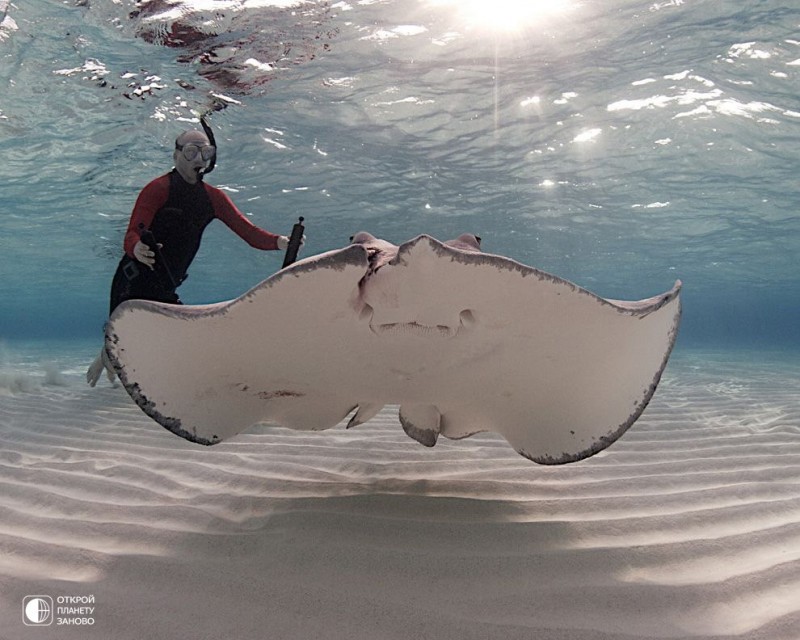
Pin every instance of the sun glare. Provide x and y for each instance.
(506, 15)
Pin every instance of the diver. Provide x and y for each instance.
(166, 228)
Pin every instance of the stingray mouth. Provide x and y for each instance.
(415, 329)
(419, 329)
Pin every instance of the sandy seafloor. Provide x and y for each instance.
(687, 527)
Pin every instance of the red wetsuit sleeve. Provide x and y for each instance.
(225, 210)
(150, 200)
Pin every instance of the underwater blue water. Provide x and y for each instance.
(621, 145)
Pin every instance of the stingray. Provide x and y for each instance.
(463, 341)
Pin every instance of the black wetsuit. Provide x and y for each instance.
(178, 225)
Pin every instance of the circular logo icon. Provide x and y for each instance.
(37, 610)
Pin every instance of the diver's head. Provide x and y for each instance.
(193, 153)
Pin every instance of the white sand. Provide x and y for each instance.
(688, 527)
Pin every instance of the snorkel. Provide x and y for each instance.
(210, 135)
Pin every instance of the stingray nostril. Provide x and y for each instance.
(467, 318)
(365, 313)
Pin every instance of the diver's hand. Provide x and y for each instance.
(144, 254)
(283, 242)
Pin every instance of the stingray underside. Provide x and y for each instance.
(462, 341)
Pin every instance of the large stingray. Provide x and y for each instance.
(463, 341)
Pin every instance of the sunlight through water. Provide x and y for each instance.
(505, 15)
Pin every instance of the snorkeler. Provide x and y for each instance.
(166, 228)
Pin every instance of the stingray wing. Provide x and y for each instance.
(499, 346)
(208, 372)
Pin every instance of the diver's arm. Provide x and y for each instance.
(150, 200)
